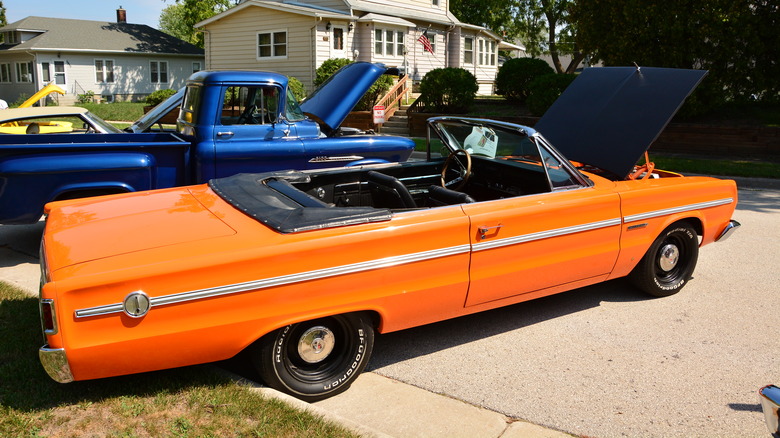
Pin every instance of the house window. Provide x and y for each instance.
(432, 39)
(487, 52)
(272, 45)
(468, 50)
(104, 71)
(338, 38)
(435, 2)
(159, 72)
(379, 47)
(24, 72)
(12, 37)
(388, 42)
(5, 72)
(196, 67)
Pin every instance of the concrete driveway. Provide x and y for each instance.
(602, 361)
(607, 361)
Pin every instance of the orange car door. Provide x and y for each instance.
(530, 243)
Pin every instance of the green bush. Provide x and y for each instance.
(158, 96)
(516, 74)
(543, 91)
(297, 88)
(366, 103)
(448, 90)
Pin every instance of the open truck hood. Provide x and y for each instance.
(332, 101)
(609, 116)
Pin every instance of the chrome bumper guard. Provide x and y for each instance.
(769, 397)
(728, 231)
(55, 362)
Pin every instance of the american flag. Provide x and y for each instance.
(425, 41)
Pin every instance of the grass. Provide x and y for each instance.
(716, 166)
(119, 111)
(185, 402)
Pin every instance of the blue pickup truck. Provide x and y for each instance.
(229, 122)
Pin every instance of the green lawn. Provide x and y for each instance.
(186, 402)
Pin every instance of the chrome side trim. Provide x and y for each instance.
(481, 246)
(283, 280)
(55, 362)
(334, 159)
(683, 208)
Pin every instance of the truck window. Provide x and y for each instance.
(293, 112)
(250, 105)
(189, 109)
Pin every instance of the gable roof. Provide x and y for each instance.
(67, 35)
(358, 7)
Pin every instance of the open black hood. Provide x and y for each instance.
(609, 116)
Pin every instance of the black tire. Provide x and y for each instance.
(669, 263)
(289, 359)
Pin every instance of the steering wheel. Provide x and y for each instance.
(463, 174)
(247, 117)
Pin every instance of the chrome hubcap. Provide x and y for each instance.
(316, 344)
(669, 257)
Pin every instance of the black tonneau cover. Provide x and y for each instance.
(271, 199)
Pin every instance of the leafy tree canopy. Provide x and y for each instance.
(543, 26)
(179, 19)
(736, 40)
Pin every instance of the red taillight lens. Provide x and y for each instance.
(48, 319)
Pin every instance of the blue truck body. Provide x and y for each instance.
(229, 123)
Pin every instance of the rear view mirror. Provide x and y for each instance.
(769, 396)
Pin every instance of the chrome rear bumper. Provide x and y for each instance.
(728, 231)
(55, 362)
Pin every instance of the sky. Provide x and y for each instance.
(138, 11)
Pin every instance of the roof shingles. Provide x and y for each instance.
(69, 34)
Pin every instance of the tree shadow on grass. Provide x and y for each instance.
(25, 386)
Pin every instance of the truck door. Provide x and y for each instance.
(249, 135)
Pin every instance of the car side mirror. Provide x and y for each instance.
(769, 396)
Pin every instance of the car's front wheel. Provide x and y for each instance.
(669, 263)
(315, 359)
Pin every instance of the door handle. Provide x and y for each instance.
(224, 133)
(483, 230)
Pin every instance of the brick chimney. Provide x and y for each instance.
(121, 15)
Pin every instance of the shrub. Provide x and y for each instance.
(366, 103)
(448, 90)
(516, 74)
(543, 91)
(297, 88)
(88, 96)
(158, 96)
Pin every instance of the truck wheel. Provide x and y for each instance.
(316, 359)
(669, 263)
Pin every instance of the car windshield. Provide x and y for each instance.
(505, 142)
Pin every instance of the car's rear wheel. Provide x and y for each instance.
(669, 263)
(315, 359)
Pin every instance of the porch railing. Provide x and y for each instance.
(392, 100)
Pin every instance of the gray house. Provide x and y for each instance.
(117, 61)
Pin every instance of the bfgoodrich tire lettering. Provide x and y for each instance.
(669, 263)
(315, 359)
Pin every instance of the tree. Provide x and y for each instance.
(542, 25)
(189, 12)
(736, 40)
(172, 22)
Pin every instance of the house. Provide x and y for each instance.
(117, 61)
(295, 37)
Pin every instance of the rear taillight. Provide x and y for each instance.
(48, 317)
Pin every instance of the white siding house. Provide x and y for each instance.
(114, 60)
(308, 32)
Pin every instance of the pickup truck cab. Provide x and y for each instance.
(229, 122)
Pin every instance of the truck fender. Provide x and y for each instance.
(85, 190)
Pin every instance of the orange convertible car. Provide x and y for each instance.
(302, 268)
